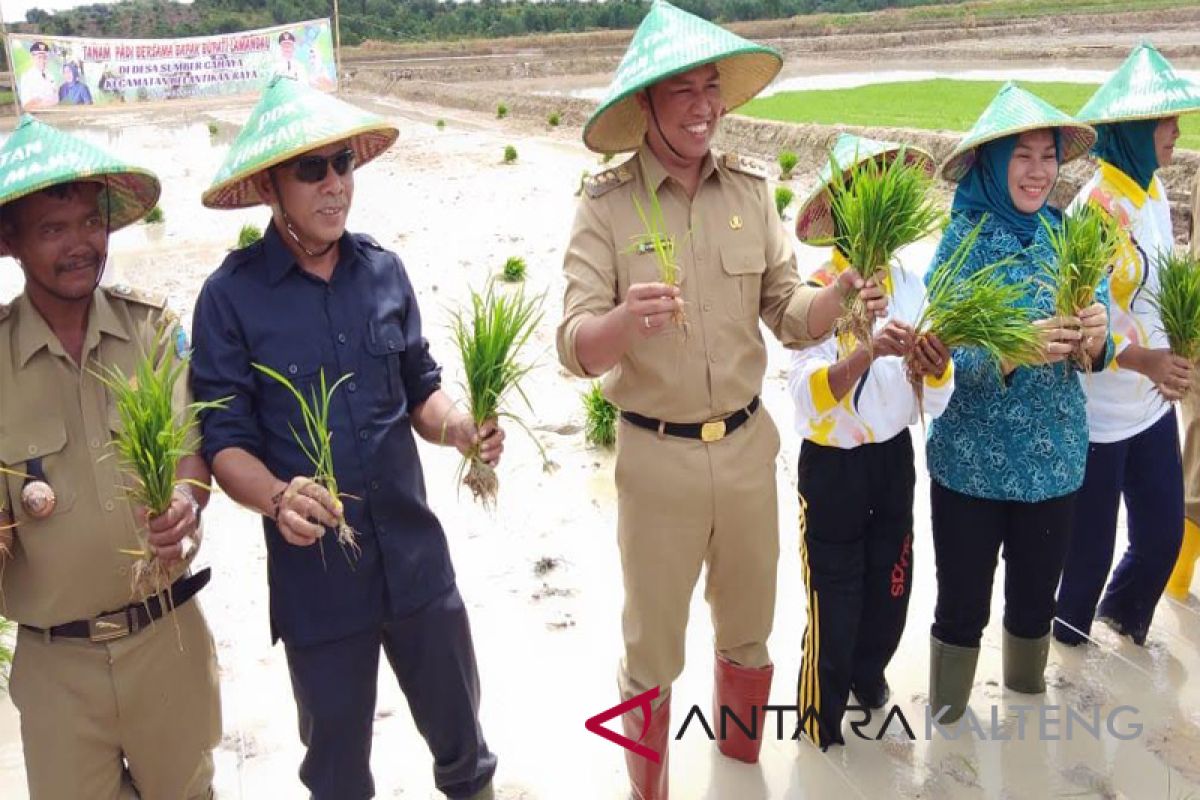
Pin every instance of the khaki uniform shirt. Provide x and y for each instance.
(737, 266)
(68, 566)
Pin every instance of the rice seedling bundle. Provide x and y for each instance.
(600, 427)
(979, 310)
(490, 336)
(1084, 246)
(879, 208)
(153, 439)
(783, 198)
(657, 240)
(317, 444)
(787, 163)
(1178, 303)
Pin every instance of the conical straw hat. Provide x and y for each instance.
(291, 119)
(1014, 111)
(669, 42)
(814, 220)
(1145, 87)
(37, 156)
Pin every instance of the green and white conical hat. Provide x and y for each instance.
(1145, 87)
(814, 221)
(1014, 111)
(668, 42)
(37, 156)
(290, 120)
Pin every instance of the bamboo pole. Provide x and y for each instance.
(9, 63)
(337, 44)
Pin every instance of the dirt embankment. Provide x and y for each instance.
(760, 138)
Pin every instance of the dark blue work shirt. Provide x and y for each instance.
(260, 307)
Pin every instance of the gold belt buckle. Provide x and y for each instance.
(712, 431)
(108, 627)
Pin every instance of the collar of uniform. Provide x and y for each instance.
(655, 173)
(1126, 185)
(280, 260)
(33, 332)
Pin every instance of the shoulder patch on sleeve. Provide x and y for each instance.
(745, 165)
(604, 182)
(123, 291)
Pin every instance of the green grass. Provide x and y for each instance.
(939, 104)
(514, 269)
(248, 235)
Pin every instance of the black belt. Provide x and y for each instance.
(711, 431)
(133, 617)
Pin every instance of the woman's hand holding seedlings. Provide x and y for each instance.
(650, 308)
(304, 510)
(1060, 338)
(930, 358)
(893, 339)
(1172, 375)
(1093, 324)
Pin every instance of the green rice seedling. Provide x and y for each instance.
(554, 119)
(607, 157)
(1084, 246)
(600, 426)
(787, 163)
(154, 436)
(153, 216)
(441, 124)
(1178, 303)
(510, 154)
(878, 208)
(655, 239)
(501, 111)
(248, 235)
(978, 310)
(317, 444)
(582, 182)
(514, 269)
(783, 198)
(490, 336)
(213, 128)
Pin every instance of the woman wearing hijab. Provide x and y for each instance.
(73, 90)
(1134, 442)
(1006, 456)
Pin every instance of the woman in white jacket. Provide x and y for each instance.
(1133, 449)
(856, 478)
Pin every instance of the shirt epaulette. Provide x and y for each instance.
(745, 165)
(604, 182)
(123, 291)
(368, 240)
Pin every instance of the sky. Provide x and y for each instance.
(14, 10)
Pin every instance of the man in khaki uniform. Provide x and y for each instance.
(1180, 582)
(118, 699)
(696, 454)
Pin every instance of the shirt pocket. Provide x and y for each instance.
(743, 267)
(384, 373)
(301, 366)
(35, 448)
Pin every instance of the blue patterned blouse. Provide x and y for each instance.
(1024, 438)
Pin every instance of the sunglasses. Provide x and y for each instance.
(313, 169)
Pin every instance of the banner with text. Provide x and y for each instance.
(66, 70)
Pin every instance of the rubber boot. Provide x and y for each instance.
(1180, 582)
(648, 780)
(744, 691)
(1025, 663)
(951, 675)
(486, 793)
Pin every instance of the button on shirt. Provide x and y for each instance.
(737, 266)
(261, 308)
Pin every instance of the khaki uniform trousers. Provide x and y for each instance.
(133, 717)
(681, 504)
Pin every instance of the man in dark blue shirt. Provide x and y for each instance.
(311, 299)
